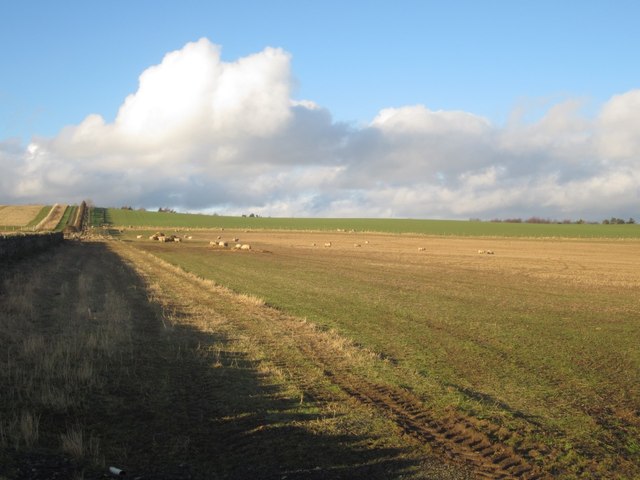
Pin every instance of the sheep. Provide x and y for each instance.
(328, 244)
(246, 246)
(138, 237)
(219, 237)
(481, 252)
(421, 249)
(222, 244)
(177, 239)
(190, 237)
(489, 252)
(236, 239)
(357, 245)
(238, 246)
(212, 243)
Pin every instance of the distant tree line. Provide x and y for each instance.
(609, 221)
(617, 221)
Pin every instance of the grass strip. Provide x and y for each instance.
(41, 216)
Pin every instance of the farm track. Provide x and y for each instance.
(462, 441)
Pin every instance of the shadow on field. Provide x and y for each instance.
(182, 404)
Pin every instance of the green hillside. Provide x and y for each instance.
(136, 219)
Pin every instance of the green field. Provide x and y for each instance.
(133, 218)
(540, 338)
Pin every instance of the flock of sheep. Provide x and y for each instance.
(161, 237)
(220, 243)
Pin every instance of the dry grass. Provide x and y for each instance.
(60, 333)
(75, 442)
(18, 215)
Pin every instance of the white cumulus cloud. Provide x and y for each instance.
(203, 134)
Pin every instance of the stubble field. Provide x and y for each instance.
(15, 217)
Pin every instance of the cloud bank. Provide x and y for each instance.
(201, 134)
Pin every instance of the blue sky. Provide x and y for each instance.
(64, 60)
(497, 60)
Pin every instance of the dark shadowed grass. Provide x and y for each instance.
(103, 367)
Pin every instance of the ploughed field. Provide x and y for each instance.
(379, 356)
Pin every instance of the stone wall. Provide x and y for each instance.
(17, 246)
